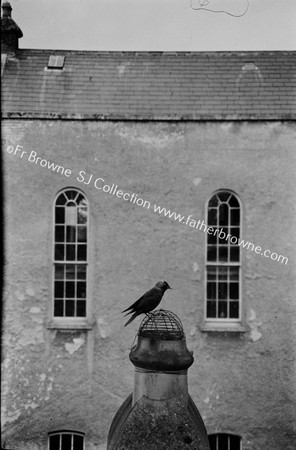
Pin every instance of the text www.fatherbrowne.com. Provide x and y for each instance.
(99, 184)
(201, 225)
(186, 220)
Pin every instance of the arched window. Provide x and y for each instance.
(70, 254)
(223, 260)
(65, 440)
(223, 441)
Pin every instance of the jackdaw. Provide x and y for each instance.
(149, 301)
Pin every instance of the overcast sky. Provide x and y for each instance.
(163, 25)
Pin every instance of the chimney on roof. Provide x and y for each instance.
(10, 31)
(160, 414)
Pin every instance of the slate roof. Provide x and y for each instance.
(151, 85)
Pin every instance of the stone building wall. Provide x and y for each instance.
(242, 383)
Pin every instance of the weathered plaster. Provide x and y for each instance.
(73, 347)
(77, 379)
(254, 325)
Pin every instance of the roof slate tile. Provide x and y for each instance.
(151, 85)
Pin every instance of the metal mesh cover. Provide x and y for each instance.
(162, 324)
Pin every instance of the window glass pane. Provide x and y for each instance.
(222, 291)
(81, 289)
(82, 234)
(212, 216)
(222, 235)
(80, 199)
(61, 200)
(233, 273)
(223, 214)
(224, 196)
(66, 441)
(70, 271)
(212, 253)
(59, 271)
(234, 253)
(72, 195)
(59, 252)
(223, 253)
(233, 310)
(222, 273)
(211, 291)
(70, 308)
(233, 202)
(81, 252)
(82, 216)
(82, 212)
(71, 204)
(60, 215)
(211, 273)
(214, 201)
(70, 215)
(59, 289)
(70, 289)
(234, 232)
(81, 308)
(81, 272)
(70, 255)
(58, 308)
(54, 442)
(71, 234)
(78, 442)
(211, 309)
(235, 443)
(59, 234)
(233, 291)
(212, 239)
(234, 216)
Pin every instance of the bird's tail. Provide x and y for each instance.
(131, 318)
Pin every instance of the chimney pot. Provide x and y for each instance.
(160, 414)
(11, 32)
(6, 9)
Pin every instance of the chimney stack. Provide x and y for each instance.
(160, 414)
(10, 31)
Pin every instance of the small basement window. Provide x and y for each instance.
(56, 62)
(224, 441)
(66, 440)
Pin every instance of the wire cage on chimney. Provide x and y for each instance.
(163, 324)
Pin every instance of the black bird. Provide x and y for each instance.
(149, 301)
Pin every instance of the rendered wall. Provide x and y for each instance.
(242, 383)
